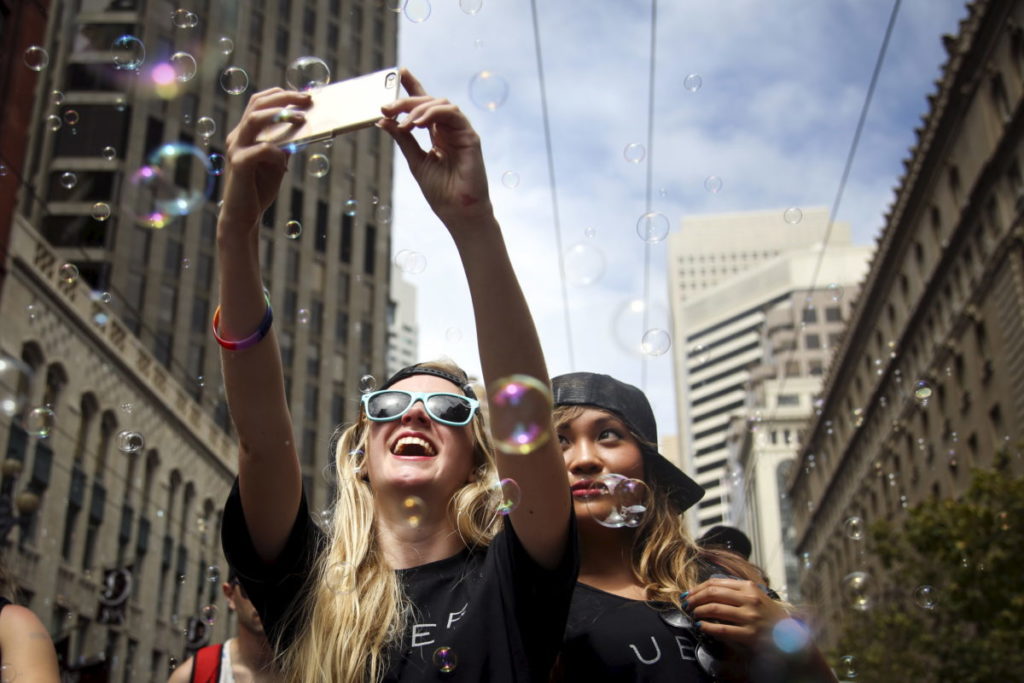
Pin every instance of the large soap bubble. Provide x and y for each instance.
(164, 188)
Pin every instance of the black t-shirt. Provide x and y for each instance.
(501, 615)
(612, 638)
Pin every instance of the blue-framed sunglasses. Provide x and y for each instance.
(448, 409)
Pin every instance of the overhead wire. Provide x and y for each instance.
(647, 199)
(554, 184)
(837, 200)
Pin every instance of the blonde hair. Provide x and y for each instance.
(665, 559)
(356, 611)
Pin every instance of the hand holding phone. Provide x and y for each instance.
(337, 108)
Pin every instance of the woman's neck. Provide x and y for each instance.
(408, 540)
(606, 561)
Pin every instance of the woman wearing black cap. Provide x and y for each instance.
(652, 605)
(418, 576)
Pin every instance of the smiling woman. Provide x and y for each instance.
(424, 569)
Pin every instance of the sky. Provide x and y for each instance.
(782, 84)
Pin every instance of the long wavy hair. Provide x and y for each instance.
(665, 559)
(352, 618)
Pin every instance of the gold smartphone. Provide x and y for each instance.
(338, 108)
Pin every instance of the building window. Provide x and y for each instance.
(810, 314)
(816, 368)
(812, 341)
(792, 368)
(833, 314)
(789, 400)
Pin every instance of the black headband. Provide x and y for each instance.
(420, 369)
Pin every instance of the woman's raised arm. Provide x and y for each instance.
(454, 182)
(268, 467)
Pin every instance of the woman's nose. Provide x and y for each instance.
(582, 458)
(417, 413)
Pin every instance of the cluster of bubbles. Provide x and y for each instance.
(616, 501)
(520, 414)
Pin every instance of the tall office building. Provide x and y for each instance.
(107, 306)
(928, 382)
(725, 273)
(403, 330)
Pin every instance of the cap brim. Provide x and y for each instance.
(683, 491)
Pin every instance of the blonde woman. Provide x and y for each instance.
(419, 577)
(651, 605)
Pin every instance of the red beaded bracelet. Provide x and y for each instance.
(252, 339)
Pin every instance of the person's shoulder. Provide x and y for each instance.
(18, 620)
(182, 673)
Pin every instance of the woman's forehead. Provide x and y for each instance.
(426, 383)
(590, 416)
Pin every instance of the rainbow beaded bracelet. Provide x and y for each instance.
(252, 339)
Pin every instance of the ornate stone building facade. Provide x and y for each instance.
(929, 380)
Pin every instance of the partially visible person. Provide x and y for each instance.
(650, 603)
(727, 538)
(26, 650)
(246, 658)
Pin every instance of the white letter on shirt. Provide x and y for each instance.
(685, 649)
(421, 631)
(657, 652)
(455, 616)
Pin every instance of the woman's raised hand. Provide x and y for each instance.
(451, 174)
(255, 169)
(743, 614)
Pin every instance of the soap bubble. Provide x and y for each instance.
(206, 127)
(488, 90)
(234, 80)
(409, 261)
(510, 179)
(925, 597)
(589, 231)
(835, 291)
(713, 184)
(15, 380)
(54, 123)
(318, 165)
(445, 659)
(217, 163)
(303, 316)
(33, 312)
(68, 180)
(68, 273)
(100, 211)
(225, 45)
(36, 58)
(656, 342)
(103, 297)
(856, 589)
(693, 82)
(853, 527)
(351, 207)
(922, 392)
(848, 666)
(340, 578)
(213, 573)
(367, 383)
(57, 97)
(209, 614)
(292, 230)
(509, 495)
(471, 6)
(184, 66)
(160, 197)
(634, 153)
(129, 441)
(792, 215)
(306, 73)
(632, 319)
(652, 227)
(584, 264)
(109, 153)
(413, 509)
(71, 117)
(129, 53)
(520, 414)
(183, 18)
(40, 421)
(790, 636)
(383, 214)
(416, 11)
(616, 501)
